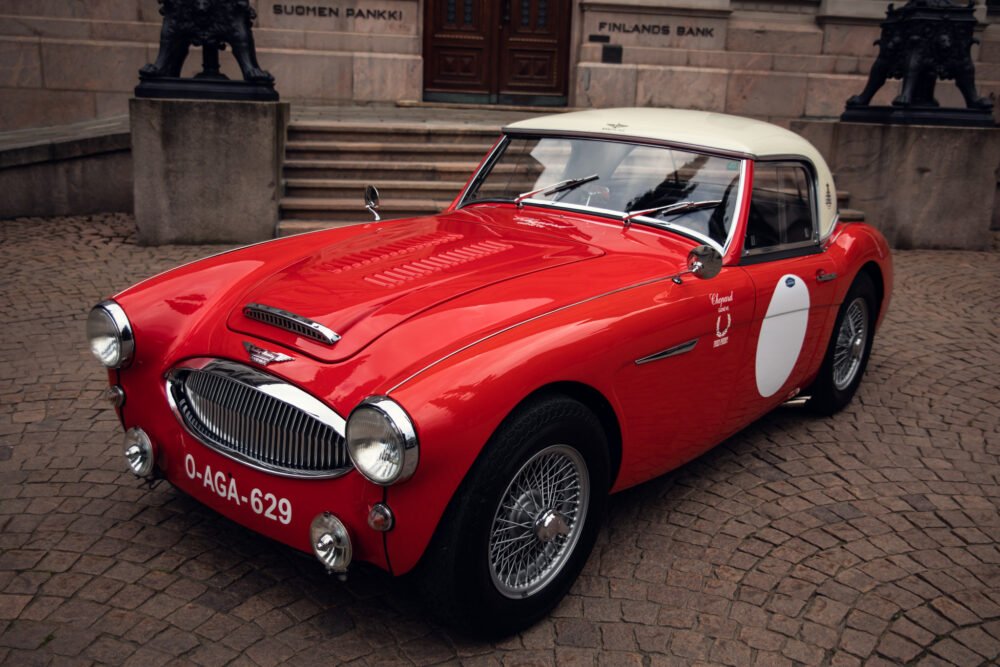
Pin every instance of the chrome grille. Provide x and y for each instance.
(290, 322)
(255, 418)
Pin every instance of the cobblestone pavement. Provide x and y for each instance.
(871, 537)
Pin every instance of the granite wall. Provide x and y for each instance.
(774, 60)
(921, 186)
(63, 61)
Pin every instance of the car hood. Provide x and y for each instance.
(365, 285)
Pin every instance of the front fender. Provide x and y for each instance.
(458, 404)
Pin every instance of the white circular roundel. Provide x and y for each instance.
(782, 333)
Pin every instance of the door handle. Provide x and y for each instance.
(824, 277)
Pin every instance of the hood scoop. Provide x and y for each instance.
(283, 319)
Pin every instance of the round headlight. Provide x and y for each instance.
(110, 335)
(382, 441)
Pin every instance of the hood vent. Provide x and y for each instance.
(290, 322)
(436, 263)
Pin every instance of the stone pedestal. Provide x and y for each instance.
(206, 171)
(921, 186)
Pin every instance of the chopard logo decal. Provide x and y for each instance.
(259, 355)
(723, 319)
(720, 299)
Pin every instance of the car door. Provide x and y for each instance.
(677, 382)
(794, 283)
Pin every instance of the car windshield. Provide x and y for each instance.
(616, 178)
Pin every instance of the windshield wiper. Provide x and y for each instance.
(561, 186)
(676, 207)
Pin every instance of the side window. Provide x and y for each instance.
(781, 207)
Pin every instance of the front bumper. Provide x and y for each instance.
(278, 507)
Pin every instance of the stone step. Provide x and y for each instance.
(381, 150)
(372, 170)
(352, 210)
(392, 132)
(851, 215)
(292, 227)
(389, 190)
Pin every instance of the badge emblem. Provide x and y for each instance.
(259, 355)
(790, 281)
(615, 126)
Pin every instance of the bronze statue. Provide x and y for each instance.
(210, 24)
(921, 42)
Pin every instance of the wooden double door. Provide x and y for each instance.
(496, 51)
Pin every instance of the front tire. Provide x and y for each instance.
(849, 349)
(522, 524)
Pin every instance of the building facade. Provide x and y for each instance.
(63, 61)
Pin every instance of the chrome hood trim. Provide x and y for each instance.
(290, 322)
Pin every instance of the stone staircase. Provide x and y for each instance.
(418, 169)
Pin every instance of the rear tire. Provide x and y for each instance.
(849, 349)
(523, 522)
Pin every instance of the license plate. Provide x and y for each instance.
(259, 501)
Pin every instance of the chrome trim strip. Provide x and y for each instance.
(669, 352)
(125, 335)
(644, 283)
(740, 196)
(266, 384)
(290, 322)
(767, 250)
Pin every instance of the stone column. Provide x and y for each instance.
(207, 171)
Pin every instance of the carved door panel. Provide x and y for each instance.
(534, 37)
(496, 51)
(460, 38)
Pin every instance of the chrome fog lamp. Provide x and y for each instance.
(330, 542)
(139, 452)
(382, 441)
(110, 335)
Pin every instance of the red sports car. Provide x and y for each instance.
(613, 293)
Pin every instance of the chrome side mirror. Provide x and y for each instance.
(371, 201)
(703, 261)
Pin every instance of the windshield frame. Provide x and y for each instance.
(648, 221)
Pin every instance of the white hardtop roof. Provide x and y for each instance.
(703, 129)
(697, 130)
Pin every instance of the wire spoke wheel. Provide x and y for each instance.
(852, 338)
(538, 521)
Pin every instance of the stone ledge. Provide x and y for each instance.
(912, 179)
(68, 149)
